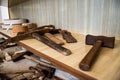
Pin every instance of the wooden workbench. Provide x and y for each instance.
(106, 66)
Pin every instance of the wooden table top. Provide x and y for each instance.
(105, 67)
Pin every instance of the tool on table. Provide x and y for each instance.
(51, 44)
(67, 36)
(53, 38)
(38, 34)
(97, 42)
(22, 36)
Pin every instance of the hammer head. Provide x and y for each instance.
(106, 41)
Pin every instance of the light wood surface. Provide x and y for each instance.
(106, 66)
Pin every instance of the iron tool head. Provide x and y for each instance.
(106, 41)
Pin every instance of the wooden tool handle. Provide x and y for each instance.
(86, 63)
(54, 39)
(67, 36)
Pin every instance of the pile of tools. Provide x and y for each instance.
(14, 53)
(38, 72)
(42, 71)
(45, 34)
(97, 42)
(8, 53)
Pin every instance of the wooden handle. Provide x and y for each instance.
(53, 38)
(67, 36)
(19, 28)
(87, 61)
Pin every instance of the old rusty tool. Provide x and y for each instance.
(20, 55)
(46, 71)
(51, 44)
(39, 35)
(2, 40)
(97, 42)
(41, 30)
(67, 36)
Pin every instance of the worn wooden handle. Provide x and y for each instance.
(87, 61)
(54, 39)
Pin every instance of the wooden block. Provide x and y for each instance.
(53, 38)
(19, 28)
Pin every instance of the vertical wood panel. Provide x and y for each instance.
(83, 16)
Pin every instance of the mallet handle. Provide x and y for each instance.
(87, 61)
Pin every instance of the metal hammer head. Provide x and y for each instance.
(106, 41)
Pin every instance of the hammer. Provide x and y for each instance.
(97, 42)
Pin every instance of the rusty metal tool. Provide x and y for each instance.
(42, 30)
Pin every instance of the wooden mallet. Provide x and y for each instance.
(97, 42)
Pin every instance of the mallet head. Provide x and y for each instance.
(106, 41)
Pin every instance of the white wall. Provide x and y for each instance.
(4, 10)
(0, 15)
(4, 13)
(83, 16)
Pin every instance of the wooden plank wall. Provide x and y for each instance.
(83, 16)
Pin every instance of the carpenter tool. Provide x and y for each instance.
(39, 35)
(67, 36)
(97, 42)
(53, 38)
(51, 44)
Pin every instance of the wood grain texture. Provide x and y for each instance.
(106, 66)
